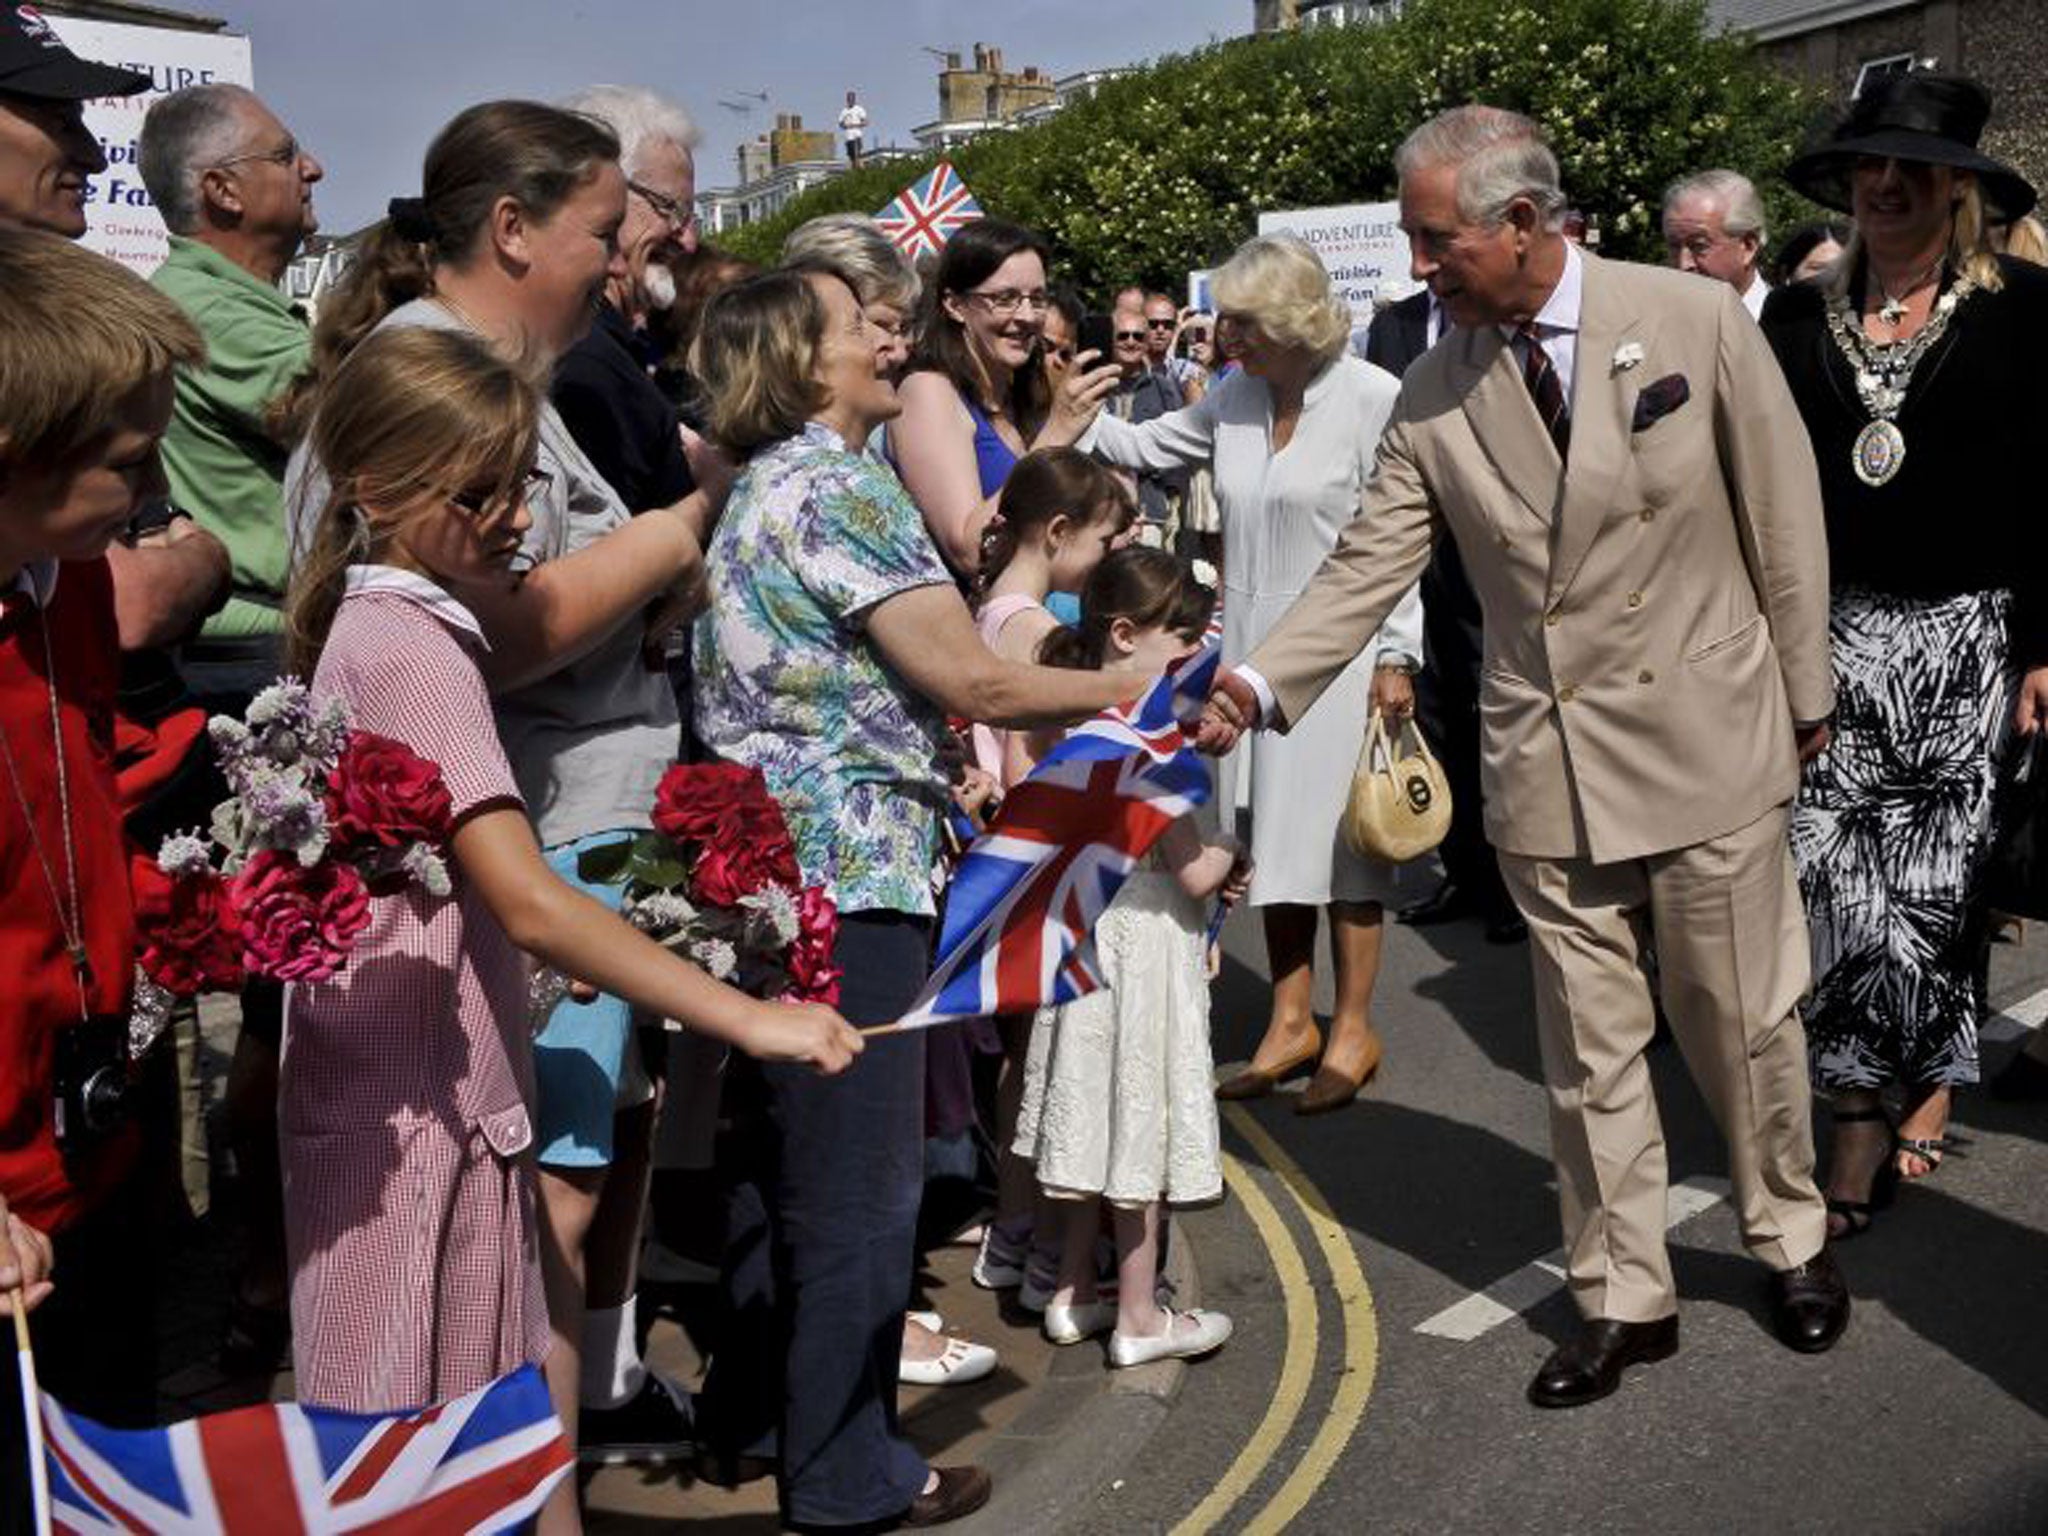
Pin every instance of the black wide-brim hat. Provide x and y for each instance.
(1928, 118)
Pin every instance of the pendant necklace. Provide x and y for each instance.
(1882, 370)
(1893, 310)
(69, 916)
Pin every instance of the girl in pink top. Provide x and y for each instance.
(1061, 513)
(409, 1185)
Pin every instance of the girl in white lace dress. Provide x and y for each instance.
(1119, 1106)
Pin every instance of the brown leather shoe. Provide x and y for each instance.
(1588, 1366)
(1810, 1304)
(1332, 1088)
(960, 1492)
(1257, 1082)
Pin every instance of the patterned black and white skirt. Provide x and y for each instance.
(1890, 834)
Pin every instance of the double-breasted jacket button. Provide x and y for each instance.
(1567, 693)
(1635, 599)
(1646, 676)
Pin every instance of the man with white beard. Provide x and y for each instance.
(601, 387)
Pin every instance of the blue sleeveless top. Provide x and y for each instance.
(993, 457)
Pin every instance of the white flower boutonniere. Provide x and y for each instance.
(1627, 356)
(1205, 573)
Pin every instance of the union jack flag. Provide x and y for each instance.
(1022, 908)
(925, 213)
(484, 1462)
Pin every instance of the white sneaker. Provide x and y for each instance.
(999, 1263)
(1070, 1324)
(961, 1361)
(1186, 1335)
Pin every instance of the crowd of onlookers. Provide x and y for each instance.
(557, 496)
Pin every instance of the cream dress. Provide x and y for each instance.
(1282, 513)
(1119, 1096)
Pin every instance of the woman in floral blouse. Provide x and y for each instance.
(835, 645)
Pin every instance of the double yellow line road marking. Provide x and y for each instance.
(1357, 1345)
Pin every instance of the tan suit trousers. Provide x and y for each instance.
(1724, 919)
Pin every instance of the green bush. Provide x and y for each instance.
(1168, 168)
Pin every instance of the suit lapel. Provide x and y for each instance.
(1488, 383)
(1602, 406)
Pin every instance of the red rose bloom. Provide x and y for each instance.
(188, 928)
(298, 923)
(695, 801)
(813, 978)
(382, 794)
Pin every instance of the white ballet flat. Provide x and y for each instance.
(959, 1362)
(1070, 1324)
(930, 1322)
(1186, 1335)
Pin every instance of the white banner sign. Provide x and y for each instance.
(1362, 248)
(120, 219)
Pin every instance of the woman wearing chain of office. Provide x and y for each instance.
(1916, 362)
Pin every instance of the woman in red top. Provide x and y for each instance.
(86, 353)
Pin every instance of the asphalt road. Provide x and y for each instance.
(1331, 1411)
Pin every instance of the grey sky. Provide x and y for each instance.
(364, 83)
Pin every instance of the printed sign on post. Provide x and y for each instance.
(1362, 248)
(120, 219)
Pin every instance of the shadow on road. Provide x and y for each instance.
(1485, 990)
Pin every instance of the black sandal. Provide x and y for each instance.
(1858, 1215)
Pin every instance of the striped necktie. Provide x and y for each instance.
(1545, 388)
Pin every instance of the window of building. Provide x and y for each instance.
(1877, 69)
(1347, 13)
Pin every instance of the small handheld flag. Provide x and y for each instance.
(927, 212)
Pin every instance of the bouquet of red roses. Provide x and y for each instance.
(717, 880)
(322, 817)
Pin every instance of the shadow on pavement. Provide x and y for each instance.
(1466, 1203)
(1485, 990)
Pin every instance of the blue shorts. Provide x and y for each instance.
(586, 1066)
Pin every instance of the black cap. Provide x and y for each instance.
(35, 62)
(1934, 119)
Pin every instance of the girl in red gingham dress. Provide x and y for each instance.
(409, 1186)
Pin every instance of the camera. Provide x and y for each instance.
(92, 1086)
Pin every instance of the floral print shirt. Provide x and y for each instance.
(814, 537)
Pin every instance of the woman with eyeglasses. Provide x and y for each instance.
(514, 237)
(1290, 439)
(976, 400)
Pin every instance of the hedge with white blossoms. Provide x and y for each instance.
(1168, 168)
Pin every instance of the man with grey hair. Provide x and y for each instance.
(1714, 225)
(1605, 443)
(235, 190)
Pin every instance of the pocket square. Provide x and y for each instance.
(1659, 400)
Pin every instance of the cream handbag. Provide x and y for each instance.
(1400, 805)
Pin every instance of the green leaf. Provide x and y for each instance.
(654, 861)
(604, 864)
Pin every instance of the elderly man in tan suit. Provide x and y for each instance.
(1615, 452)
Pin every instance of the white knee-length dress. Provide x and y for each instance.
(1282, 513)
(1119, 1096)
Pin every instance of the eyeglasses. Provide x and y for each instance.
(679, 214)
(1160, 325)
(287, 153)
(477, 502)
(1007, 301)
(1060, 354)
(1130, 335)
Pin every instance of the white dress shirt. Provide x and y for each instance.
(1753, 297)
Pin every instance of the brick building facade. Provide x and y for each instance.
(2003, 43)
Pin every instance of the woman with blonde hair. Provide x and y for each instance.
(1290, 437)
(1915, 363)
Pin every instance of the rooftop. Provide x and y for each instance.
(1768, 20)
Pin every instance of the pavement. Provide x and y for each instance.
(1392, 1271)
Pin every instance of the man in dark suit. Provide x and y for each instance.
(1447, 689)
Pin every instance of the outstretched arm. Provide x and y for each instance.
(496, 851)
